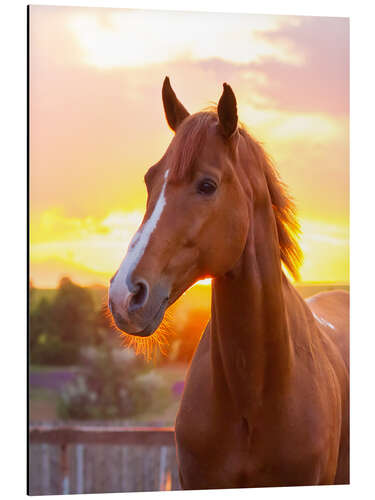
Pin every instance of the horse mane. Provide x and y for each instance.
(188, 143)
(284, 208)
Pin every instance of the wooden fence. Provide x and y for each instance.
(92, 459)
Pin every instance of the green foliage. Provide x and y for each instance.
(61, 326)
(73, 312)
(113, 385)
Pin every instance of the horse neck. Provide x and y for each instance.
(250, 341)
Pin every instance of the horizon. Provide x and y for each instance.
(199, 283)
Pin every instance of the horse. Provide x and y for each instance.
(266, 397)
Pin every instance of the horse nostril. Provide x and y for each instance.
(139, 296)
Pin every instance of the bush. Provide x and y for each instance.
(113, 385)
(77, 401)
(149, 392)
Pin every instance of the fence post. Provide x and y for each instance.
(64, 468)
(45, 469)
(124, 453)
(163, 461)
(80, 464)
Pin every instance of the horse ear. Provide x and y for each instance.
(175, 112)
(227, 111)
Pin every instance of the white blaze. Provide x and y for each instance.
(119, 291)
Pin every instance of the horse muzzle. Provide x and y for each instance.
(138, 309)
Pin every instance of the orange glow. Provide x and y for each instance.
(97, 124)
(168, 481)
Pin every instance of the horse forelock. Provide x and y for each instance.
(188, 143)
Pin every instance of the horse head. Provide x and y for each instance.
(197, 216)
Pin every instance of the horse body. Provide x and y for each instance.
(298, 438)
(266, 400)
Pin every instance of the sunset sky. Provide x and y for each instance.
(97, 123)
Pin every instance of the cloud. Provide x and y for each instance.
(90, 250)
(95, 244)
(321, 82)
(326, 251)
(137, 38)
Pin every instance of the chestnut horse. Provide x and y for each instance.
(266, 400)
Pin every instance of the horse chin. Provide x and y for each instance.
(149, 329)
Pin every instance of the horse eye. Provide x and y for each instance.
(207, 186)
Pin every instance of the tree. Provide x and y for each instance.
(73, 313)
(59, 328)
(40, 323)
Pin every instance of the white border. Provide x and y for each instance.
(13, 244)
